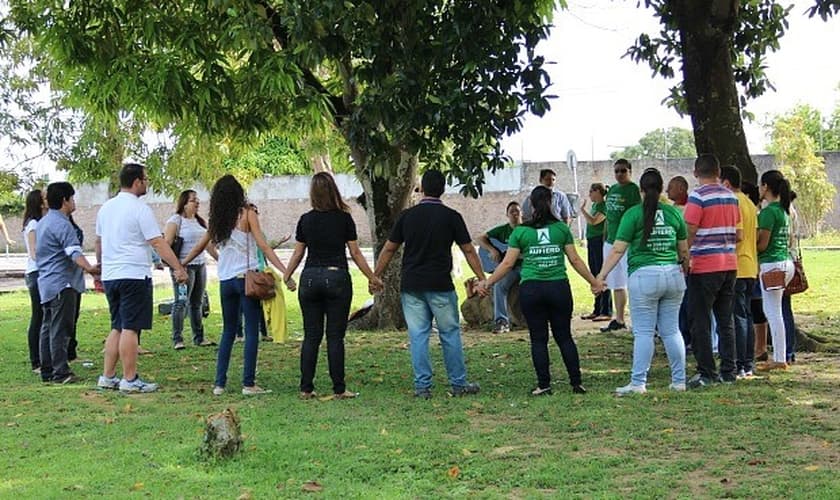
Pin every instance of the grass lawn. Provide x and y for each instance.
(771, 437)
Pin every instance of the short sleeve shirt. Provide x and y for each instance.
(125, 224)
(192, 232)
(543, 251)
(714, 210)
(325, 235)
(31, 266)
(746, 248)
(618, 200)
(660, 248)
(596, 230)
(774, 219)
(501, 233)
(428, 231)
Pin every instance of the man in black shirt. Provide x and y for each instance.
(428, 231)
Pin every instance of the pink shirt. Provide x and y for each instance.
(714, 210)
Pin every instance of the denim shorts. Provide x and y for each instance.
(130, 303)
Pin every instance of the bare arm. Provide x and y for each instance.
(294, 260)
(6, 232)
(198, 248)
(504, 267)
(682, 250)
(359, 259)
(618, 249)
(211, 249)
(472, 259)
(82, 262)
(169, 232)
(254, 227)
(385, 257)
(692, 233)
(167, 255)
(739, 235)
(30, 237)
(580, 267)
(763, 240)
(98, 248)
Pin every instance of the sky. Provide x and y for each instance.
(606, 103)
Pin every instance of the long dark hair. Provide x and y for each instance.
(183, 199)
(779, 186)
(227, 199)
(324, 195)
(541, 206)
(651, 186)
(33, 209)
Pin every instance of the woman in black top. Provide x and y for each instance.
(325, 290)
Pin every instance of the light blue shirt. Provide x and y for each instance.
(56, 250)
(561, 209)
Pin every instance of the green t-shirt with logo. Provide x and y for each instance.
(501, 233)
(774, 219)
(619, 199)
(661, 246)
(595, 230)
(543, 251)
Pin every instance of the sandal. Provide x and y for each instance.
(308, 395)
(346, 395)
(588, 316)
(541, 391)
(206, 343)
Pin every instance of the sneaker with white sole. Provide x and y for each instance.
(677, 387)
(112, 383)
(254, 390)
(631, 389)
(218, 391)
(137, 385)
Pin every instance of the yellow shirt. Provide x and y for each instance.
(746, 248)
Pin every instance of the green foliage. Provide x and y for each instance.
(795, 150)
(14, 185)
(394, 76)
(759, 24)
(661, 143)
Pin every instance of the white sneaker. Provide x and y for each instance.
(108, 382)
(254, 390)
(631, 389)
(218, 391)
(137, 385)
(677, 387)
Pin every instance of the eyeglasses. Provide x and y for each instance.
(621, 170)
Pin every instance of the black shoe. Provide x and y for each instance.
(699, 381)
(66, 379)
(464, 390)
(613, 326)
(727, 379)
(425, 393)
(578, 389)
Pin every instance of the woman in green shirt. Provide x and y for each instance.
(544, 292)
(655, 234)
(602, 310)
(773, 244)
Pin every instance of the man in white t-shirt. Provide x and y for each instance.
(126, 228)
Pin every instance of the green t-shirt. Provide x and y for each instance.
(774, 219)
(543, 251)
(501, 233)
(595, 230)
(661, 246)
(619, 198)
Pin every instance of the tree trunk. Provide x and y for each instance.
(706, 29)
(385, 198)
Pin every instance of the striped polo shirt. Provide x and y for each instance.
(714, 210)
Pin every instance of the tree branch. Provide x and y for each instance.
(340, 109)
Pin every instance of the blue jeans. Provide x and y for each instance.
(233, 294)
(655, 296)
(500, 293)
(744, 333)
(419, 308)
(196, 282)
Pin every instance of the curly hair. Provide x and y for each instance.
(227, 199)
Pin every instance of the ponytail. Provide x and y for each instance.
(651, 186)
(779, 186)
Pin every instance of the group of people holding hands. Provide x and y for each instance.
(650, 248)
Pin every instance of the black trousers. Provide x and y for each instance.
(712, 293)
(595, 257)
(324, 294)
(547, 303)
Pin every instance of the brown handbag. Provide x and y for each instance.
(799, 282)
(773, 279)
(258, 284)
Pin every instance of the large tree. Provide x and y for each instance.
(404, 81)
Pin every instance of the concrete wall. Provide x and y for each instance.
(282, 200)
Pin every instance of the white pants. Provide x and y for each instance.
(772, 305)
(617, 278)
